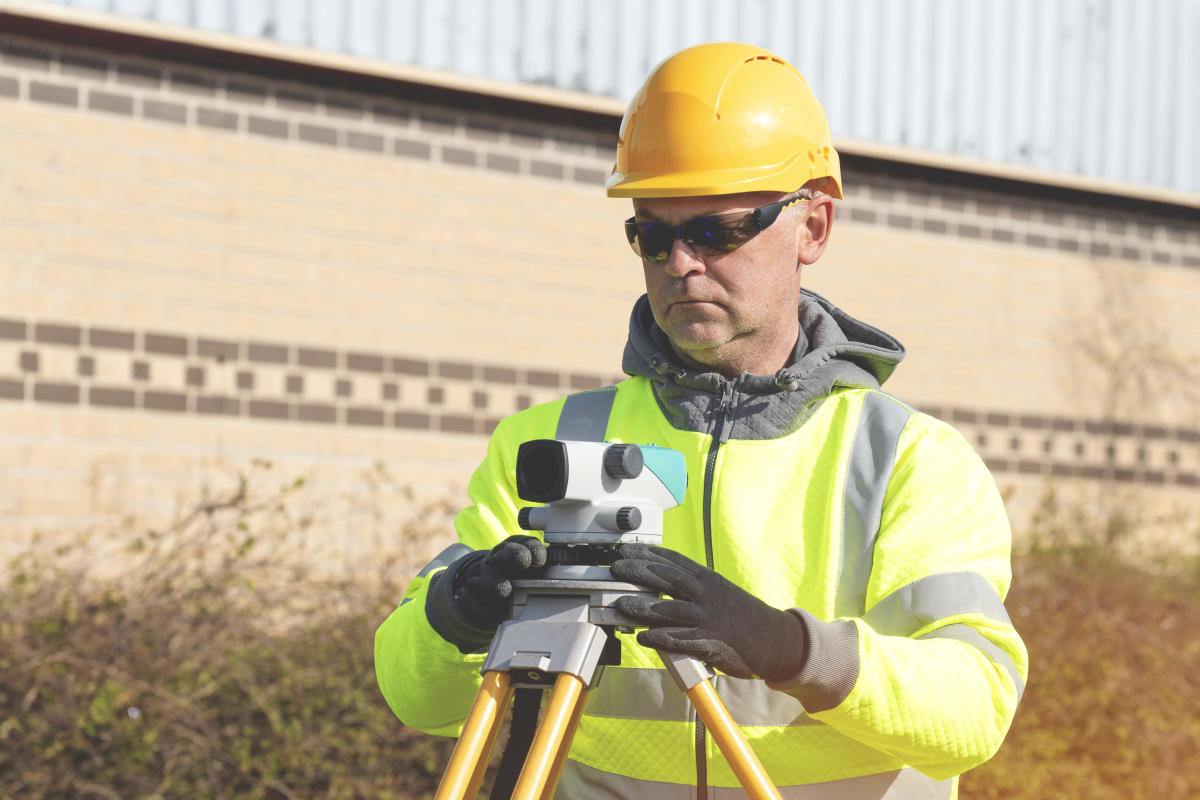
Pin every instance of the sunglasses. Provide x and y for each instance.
(707, 236)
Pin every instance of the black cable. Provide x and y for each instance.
(527, 704)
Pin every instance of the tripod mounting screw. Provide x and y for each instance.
(623, 461)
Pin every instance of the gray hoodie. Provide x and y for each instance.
(833, 349)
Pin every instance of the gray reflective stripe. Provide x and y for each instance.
(752, 702)
(580, 782)
(445, 558)
(584, 416)
(967, 634)
(912, 607)
(872, 457)
(640, 693)
(902, 784)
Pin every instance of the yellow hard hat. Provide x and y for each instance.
(723, 118)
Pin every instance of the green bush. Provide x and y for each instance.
(208, 661)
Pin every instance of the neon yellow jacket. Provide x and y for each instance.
(816, 492)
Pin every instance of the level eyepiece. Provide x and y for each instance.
(542, 471)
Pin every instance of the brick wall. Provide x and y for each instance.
(201, 267)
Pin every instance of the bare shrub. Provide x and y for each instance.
(213, 661)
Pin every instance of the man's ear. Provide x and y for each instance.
(812, 235)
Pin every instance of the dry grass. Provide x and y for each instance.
(214, 664)
(1112, 709)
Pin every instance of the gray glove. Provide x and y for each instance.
(710, 618)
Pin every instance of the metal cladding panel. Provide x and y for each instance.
(1104, 88)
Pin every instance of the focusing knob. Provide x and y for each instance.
(629, 518)
(533, 518)
(623, 461)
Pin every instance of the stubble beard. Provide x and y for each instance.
(709, 345)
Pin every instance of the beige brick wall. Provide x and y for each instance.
(990, 326)
(483, 251)
(63, 470)
(125, 221)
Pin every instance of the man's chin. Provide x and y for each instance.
(698, 316)
(698, 337)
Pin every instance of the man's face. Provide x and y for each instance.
(712, 308)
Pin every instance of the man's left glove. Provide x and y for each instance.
(469, 599)
(710, 618)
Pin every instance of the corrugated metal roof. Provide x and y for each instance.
(1103, 88)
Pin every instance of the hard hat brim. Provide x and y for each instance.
(702, 183)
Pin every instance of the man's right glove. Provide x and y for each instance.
(469, 599)
(710, 618)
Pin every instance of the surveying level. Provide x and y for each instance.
(596, 493)
(563, 627)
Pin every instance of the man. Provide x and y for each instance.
(840, 558)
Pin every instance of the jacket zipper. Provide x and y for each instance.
(719, 437)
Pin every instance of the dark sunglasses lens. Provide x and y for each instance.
(654, 241)
(714, 236)
(708, 236)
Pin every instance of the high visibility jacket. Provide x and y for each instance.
(879, 522)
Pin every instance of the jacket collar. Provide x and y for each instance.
(833, 349)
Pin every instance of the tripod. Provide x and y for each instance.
(555, 641)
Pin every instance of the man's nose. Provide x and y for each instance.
(683, 260)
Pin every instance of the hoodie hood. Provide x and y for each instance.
(833, 349)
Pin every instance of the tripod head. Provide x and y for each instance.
(598, 493)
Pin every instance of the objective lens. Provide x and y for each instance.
(541, 471)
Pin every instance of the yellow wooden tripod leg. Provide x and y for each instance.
(550, 734)
(560, 758)
(733, 744)
(470, 755)
(481, 764)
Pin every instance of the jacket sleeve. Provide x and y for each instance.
(933, 671)
(426, 680)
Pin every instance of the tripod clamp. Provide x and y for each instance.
(558, 627)
(551, 612)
